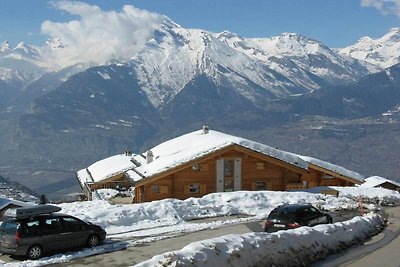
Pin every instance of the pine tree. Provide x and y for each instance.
(43, 199)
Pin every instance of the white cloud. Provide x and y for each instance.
(97, 35)
(386, 7)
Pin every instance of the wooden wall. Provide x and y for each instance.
(316, 178)
(253, 171)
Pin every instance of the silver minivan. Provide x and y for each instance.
(35, 232)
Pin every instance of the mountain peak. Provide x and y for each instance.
(4, 46)
(382, 52)
(227, 34)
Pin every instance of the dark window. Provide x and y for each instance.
(196, 167)
(52, 224)
(194, 188)
(228, 167)
(155, 188)
(9, 227)
(31, 227)
(73, 224)
(260, 186)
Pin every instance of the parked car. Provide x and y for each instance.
(292, 216)
(40, 229)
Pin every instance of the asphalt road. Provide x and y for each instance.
(383, 250)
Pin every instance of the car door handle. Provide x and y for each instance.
(66, 233)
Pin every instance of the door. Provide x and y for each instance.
(74, 231)
(229, 174)
(53, 235)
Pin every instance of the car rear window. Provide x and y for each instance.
(280, 214)
(9, 227)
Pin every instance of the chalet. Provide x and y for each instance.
(207, 161)
(377, 181)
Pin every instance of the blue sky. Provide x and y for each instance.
(337, 23)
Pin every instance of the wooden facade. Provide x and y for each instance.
(233, 168)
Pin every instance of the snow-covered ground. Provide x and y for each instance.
(301, 246)
(133, 224)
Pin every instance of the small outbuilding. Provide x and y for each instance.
(378, 181)
(6, 204)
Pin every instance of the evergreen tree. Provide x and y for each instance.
(43, 199)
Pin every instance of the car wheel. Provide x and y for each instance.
(329, 219)
(93, 241)
(34, 252)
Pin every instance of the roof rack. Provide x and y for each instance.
(27, 212)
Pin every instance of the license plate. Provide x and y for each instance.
(279, 225)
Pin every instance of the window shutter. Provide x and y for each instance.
(203, 189)
(269, 186)
(186, 189)
(253, 186)
(164, 189)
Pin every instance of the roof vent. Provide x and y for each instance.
(205, 129)
(149, 156)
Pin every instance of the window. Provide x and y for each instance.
(72, 224)
(260, 186)
(155, 188)
(196, 167)
(194, 188)
(260, 166)
(52, 224)
(228, 167)
(31, 227)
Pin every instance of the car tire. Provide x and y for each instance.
(34, 252)
(93, 241)
(329, 220)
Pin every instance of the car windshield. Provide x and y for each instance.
(281, 215)
(9, 227)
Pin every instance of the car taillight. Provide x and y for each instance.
(268, 223)
(17, 236)
(293, 225)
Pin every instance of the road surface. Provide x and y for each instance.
(382, 250)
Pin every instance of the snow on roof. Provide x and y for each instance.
(196, 144)
(106, 168)
(374, 181)
(4, 202)
(334, 168)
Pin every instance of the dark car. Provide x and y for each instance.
(292, 216)
(37, 230)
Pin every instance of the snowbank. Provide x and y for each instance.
(122, 218)
(301, 246)
(379, 195)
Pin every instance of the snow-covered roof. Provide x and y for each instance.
(4, 202)
(106, 168)
(189, 147)
(374, 181)
(196, 144)
(334, 168)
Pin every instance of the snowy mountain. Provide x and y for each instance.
(382, 52)
(20, 65)
(181, 79)
(267, 68)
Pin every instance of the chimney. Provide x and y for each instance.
(149, 156)
(205, 129)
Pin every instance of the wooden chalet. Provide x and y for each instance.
(206, 161)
